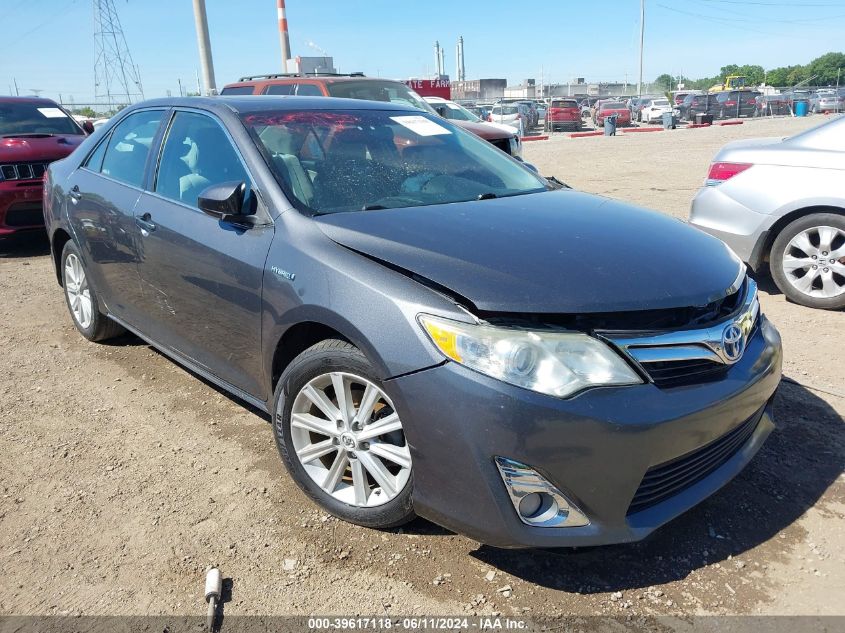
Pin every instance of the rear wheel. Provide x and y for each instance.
(341, 438)
(807, 261)
(82, 299)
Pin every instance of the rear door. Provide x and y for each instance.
(103, 193)
(202, 277)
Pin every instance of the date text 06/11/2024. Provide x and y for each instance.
(417, 624)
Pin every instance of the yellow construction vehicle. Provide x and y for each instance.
(732, 82)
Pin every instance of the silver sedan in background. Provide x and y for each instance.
(781, 202)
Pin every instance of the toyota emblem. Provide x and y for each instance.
(733, 342)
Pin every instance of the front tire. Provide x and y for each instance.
(341, 439)
(81, 299)
(807, 261)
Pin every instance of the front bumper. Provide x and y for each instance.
(21, 206)
(595, 447)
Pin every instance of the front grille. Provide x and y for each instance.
(674, 373)
(25, 214)
(668, 479)
(23, 171)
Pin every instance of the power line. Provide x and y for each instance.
(777, 4)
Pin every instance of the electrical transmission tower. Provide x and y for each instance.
(117, 81)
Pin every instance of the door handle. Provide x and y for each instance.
(74, 194)
(145, 222)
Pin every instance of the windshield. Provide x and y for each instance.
(450, 110)
(329, 161)
(35, 119)
(375, 90)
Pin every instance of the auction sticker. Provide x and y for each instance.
(52, 113)
(420, 125)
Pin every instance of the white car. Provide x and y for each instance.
(654, 109)
(510, 114)
(456, 112)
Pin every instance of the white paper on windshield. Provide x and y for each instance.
(420, 125)
(52, 113)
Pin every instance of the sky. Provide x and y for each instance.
(48, 45)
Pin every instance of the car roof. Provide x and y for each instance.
(258, 103)
(37, 100)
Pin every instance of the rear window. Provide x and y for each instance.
(237, 90)
(661, 102)
(565, 103)
(505, 110)
(613, 105)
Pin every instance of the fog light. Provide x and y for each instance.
(537, 502)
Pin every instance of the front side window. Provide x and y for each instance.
(279, 89)
(126, 155)
(308, 90)
(332, 161)
(197, 154)
(25, 118)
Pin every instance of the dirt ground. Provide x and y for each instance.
(123, 476)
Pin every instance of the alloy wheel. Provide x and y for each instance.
(78, 292)
(814, 262)
(348, 437)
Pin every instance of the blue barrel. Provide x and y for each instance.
(801, 108)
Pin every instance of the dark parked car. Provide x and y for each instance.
(33, 133)
(423, 317)
(356, 86)
(699, 104)
(768, 105)
(734, 104)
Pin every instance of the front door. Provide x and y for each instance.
(201, 277)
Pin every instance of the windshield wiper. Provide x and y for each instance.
(487, 196)
(373, 207)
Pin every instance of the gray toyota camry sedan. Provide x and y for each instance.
(434, 329)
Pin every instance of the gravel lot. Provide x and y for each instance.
(123, 476)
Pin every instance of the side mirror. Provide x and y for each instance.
(88, 127)
(225, 199)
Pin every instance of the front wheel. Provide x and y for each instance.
(342, 439)
(807, 261)
(81, 298)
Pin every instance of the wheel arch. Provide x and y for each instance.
(295, 340)
(785, 220)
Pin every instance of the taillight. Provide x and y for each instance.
(720, 172)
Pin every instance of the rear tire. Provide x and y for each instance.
(801, 245)
(350, 450)
(81, 299)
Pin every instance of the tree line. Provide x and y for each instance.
(826, 70)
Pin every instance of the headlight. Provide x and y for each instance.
(557, 364)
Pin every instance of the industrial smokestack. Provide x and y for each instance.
(442, 69)
(460, 69)
(283, 34)
(437, 58)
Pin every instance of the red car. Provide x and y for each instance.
(33, 133)
(623, 114)
(357, 86)
(563, 113)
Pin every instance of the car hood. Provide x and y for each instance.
(485, 130)
(18, 149)
(555, 252)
